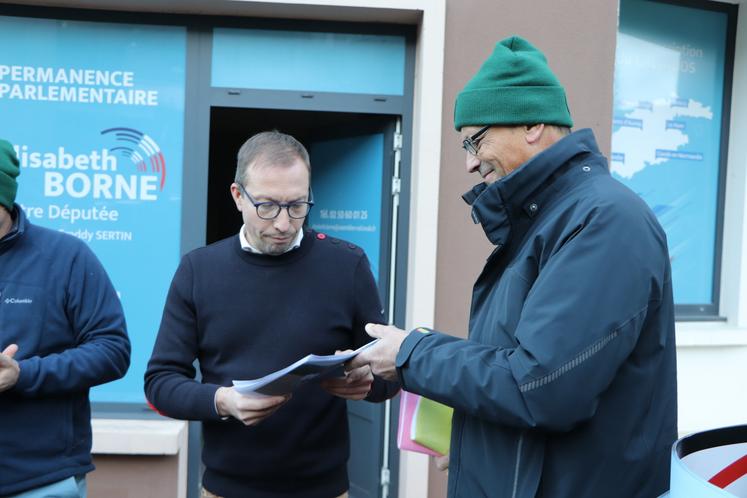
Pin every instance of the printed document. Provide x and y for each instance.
(309, 368)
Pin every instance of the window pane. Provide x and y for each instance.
(667, 128)
(97, 119)
(324, 62)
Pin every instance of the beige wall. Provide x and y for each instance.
(578, 38)
(139, 476)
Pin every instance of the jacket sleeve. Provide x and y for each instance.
(102, 349)
(368, 309)
(580, 321)
(170, 384)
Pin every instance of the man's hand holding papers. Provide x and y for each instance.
(312, 368)
(248, 410)
(355, 385)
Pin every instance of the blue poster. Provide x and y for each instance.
(347, 181)
(96, 112)
(669, 78)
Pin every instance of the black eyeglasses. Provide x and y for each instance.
(471, 144)
(269, 210)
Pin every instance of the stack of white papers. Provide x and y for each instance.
(309, 368)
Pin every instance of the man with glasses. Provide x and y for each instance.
(252, 304)
(566, 386)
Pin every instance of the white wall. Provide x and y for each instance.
(712, 356)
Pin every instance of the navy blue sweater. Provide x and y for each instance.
(243, 316)
(58, 305)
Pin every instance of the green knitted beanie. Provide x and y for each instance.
(514, 86)
(9, 170)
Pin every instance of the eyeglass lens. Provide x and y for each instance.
(471, 144)
(270, 210)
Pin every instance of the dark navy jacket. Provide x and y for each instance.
(58, 305)
(566, 386)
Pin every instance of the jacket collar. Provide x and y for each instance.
(495, 206)
(16, 230)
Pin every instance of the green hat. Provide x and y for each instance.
(9, 170)
(515, 86)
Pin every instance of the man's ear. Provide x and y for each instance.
(236, 195)
(533, 133)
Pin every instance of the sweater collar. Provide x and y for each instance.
(307, 241)
(247, 246)
(495, 206)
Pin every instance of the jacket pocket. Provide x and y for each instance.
(80, 424)
(42, 431)
(517, 465)
(528, 464)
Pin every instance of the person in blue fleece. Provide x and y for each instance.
(62, 331)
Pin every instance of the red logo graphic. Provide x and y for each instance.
(144, 152)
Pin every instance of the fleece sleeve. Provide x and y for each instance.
(101, 352)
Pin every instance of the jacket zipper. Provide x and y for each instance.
(518, 464)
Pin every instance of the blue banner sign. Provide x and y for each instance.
(95, 112)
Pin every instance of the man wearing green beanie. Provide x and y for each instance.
(62, 331)
(9, 170)
(566, 386)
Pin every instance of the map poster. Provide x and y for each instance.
(95, 112)
(668, 97)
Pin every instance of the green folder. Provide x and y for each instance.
(431, 425)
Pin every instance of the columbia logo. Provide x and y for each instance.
(14, 300)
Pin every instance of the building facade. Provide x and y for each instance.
(378, 77)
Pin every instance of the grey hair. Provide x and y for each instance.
(272, 148)
(563, 130)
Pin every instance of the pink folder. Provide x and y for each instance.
(407, 403)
